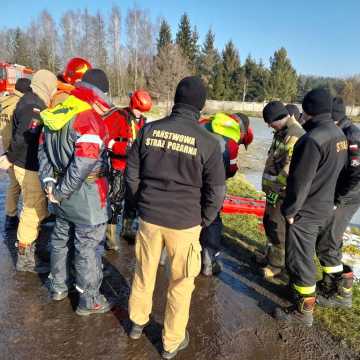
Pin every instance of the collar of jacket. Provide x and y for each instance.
(291, 122)
(344, 123)
(91, 94)
(186, 112)
(318, 120)
(57, 117)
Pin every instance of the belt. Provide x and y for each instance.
(91, 177)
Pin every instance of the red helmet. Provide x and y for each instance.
(140, 100)
(75, 70)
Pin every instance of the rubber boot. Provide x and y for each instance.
(339, 294)
(11, 222)
(29, 261)
(210, 265)
(112, 242)
(261, 258)
(301, 313)
(128, 231)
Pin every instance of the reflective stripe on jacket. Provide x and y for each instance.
(279, 156)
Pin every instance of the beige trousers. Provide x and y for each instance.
(34, 205)
(13, 194)
(184, 252)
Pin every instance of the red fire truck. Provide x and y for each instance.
(9, 74)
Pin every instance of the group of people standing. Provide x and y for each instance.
(312, 185)
(71, 150)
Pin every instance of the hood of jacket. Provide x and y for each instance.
(44, 85)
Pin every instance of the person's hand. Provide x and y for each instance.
(290, 220)
(50, 195)
(5, 164)
(111, 144)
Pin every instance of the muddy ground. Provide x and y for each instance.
(230, 316)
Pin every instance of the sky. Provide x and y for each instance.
(322, 37)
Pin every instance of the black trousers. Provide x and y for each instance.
(300, 245)
(275, 230)
(330, 240)
(210, 237)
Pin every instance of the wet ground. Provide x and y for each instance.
(230, 316)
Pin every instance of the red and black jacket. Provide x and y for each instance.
(123, 129)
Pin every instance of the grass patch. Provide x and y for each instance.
(342, 323)
(239, 186)
(351, 250)
(156, 112)
(245, 232)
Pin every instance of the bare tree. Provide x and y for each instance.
(70, 41)
(47, 50)
(169, 67)
(114, 33)
(140, 43)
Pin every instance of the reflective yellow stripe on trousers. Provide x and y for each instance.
(305, 290)
(333, 269)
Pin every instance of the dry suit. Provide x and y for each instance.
(123, 129)
(73, 161)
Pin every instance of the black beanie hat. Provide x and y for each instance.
(293, 110)
(23, 85)
(317, 102)
(97, 78)
(191, 91)
(338, 109)
(273, 111)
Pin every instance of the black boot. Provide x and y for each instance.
(11, 222)
(136, 331)
(301, 313)
(339, 292)
(112, 242)
(210, 265)
(129, 231)
(29, 261)
(184, 344)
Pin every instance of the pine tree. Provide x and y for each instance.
(208, 59)
(165, 37)
(255, 77)
(233, 76)
(187, 39)
(218, 83)
(283, 81)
